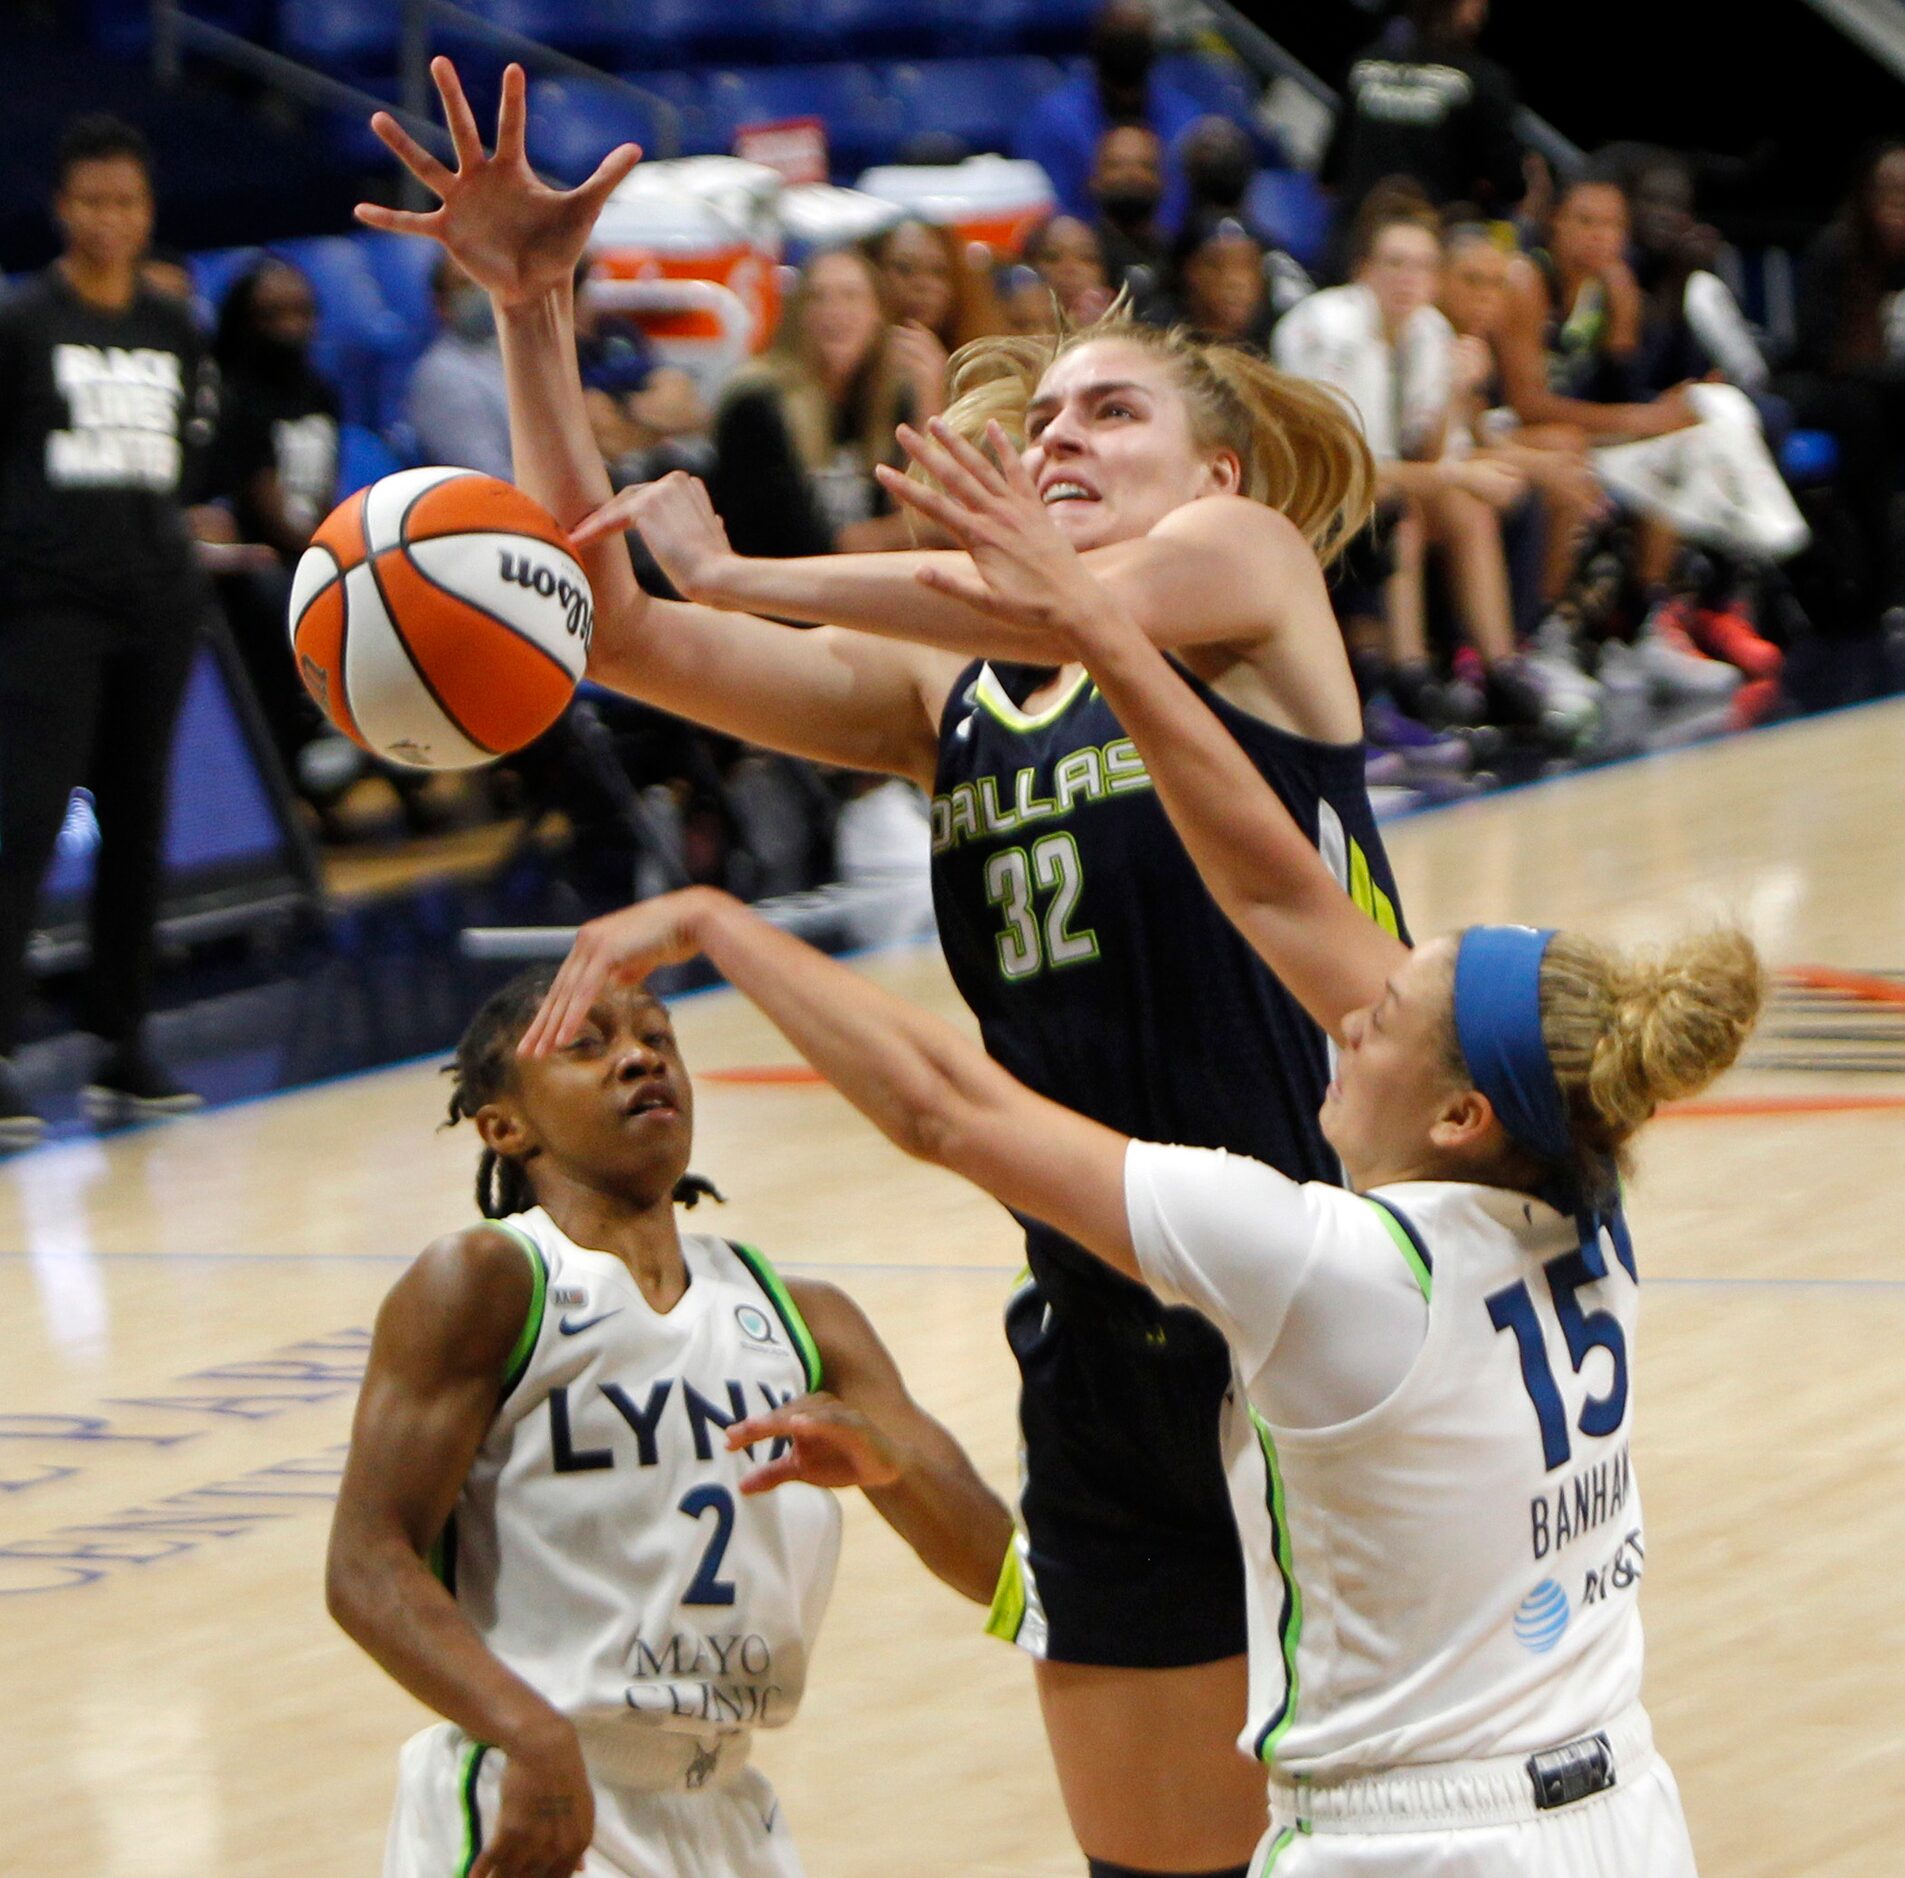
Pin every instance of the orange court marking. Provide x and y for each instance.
(1720, 1108)
(763, 1074)
(1860, 985)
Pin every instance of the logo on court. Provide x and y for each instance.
(1541, 1617)
(755, 1324)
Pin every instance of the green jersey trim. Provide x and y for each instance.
(988, 692)
(1282, 1843)
(472, 1817)
(442, 1559)
(785, 1308)
(1290, 1619)
(525, 1346)
(1007, 1616)
(1414, 1254)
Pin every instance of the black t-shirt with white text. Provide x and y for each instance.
(285, 423)
(102, 415)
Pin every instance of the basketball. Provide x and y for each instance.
(440, 619)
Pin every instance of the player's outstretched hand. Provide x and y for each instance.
(505, 227)
(546, 1815)
(1023, 568)
(677, 520)
(618, 948)
(828, 1445)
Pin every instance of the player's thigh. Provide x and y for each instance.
(1148, 1763)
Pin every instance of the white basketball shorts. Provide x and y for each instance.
(448, 1790)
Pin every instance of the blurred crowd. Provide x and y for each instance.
(1612, 514)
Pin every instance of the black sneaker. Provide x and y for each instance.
(129, 1087)
(20, 1127)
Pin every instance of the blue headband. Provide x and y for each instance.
(1498, 1025)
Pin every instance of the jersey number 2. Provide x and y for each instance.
(1052, 866)
(709, 1586)
(1513, 1309)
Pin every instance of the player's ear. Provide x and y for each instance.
(505, 1130)
(1464, 1123)
(1226, 472)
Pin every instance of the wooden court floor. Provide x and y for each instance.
(183, 1311)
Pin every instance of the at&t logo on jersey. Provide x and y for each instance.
(1541, 1617)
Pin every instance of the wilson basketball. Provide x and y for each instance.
(440, 619)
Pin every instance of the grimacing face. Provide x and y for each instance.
(1393, 1081)
(612, 1110)
(1110, 445)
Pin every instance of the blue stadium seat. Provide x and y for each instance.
(361, 344)
(214, 272)
(863, 122)
(979, 101)
(402, 266)
(362, 457)
(1289, 206)
(689, 32)
(122, 29)
(1222, 86)
(574, 123)
(586, 29)
(880, 28)
(347, 38)
(1027, 25)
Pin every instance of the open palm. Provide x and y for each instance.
(505, 227)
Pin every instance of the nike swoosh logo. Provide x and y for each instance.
(569, 1329)
(773, 1813)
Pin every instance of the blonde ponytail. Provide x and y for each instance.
(1627, 1032)
(1299, 445)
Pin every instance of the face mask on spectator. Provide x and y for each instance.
(1128, 208)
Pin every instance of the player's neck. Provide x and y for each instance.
(642, 1234)
(109, 286)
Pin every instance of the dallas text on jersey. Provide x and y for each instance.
(970, 811)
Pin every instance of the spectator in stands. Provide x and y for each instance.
(799, 431)
(166, 272)
(1025, 302)
(1127, 186)
(1063, 132)
(649, 417)
(104, 401)
(1553, 457)
(1382, 343)
(1422, 102)
(1219, 163)
(1690, 463)
(1064, 253)
(1218, 285)
(274, 462)
(458, 404)
(1849, 367)
(1690, 324)
(933, 282)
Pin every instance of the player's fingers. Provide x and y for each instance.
(410, 153)
(610, 519)
(774, 1474)
(973, 591)
(932, 455)
(744, 1434)
(610, 174)
(969, 456)
(510, 114)
(397, 221)
(457, 114)
(568, 994)
(1012, 466)
(932, 503)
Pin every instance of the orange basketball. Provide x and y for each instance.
(440, 618)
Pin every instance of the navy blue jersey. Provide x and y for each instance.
(1101, 971)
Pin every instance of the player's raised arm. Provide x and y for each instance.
(437, 1361)
(866, 1431)
(836, 697)
(927, 1088)
(1258, 864)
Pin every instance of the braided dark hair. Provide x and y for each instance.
(481, 1070)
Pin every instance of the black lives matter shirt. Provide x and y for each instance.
(101, 415)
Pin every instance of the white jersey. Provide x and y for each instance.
(1450, 1573)
(600, 1545)
(1400, 391)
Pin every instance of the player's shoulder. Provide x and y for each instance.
(1235, 524)
(481, 1277)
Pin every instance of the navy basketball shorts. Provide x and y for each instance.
(1127, 1554)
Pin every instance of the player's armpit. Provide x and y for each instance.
(938, 1504)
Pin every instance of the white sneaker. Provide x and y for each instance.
(1573, 701)
(1675, 671)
